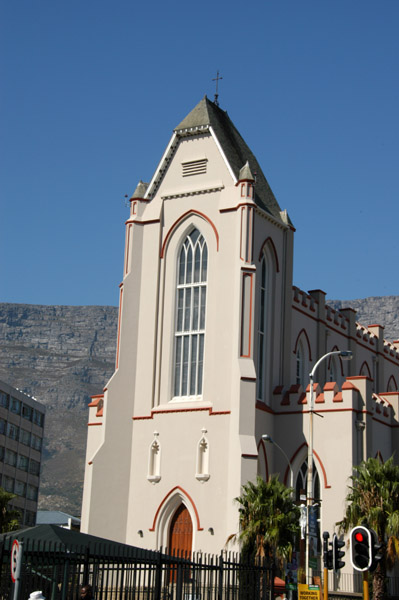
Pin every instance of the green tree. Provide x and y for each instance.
(269, 520)
(9, 518)
(373, 498)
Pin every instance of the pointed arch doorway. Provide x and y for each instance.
(181, 532)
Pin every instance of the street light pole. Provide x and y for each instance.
(345, 355)
(268, 438)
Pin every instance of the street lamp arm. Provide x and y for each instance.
(346, 354)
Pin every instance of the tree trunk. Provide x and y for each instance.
(379, 578)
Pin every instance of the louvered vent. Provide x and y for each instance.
(194, 167)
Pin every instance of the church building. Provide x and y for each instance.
(215, 345)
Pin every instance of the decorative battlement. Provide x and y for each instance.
(336, 318)
(309, 302)
(372, 335)
(392, 349)
(354, 395)
(365, 334)
(303, 299)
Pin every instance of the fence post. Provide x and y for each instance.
(158, 577)
(86, 566)
(179, 578)
(220, 582)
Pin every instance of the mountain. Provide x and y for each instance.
(63, 355)
(376, 310)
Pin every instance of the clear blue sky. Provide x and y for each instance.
(92, 89)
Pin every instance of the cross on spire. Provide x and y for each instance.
(217, 79)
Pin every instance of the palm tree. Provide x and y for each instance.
(269, 521)
(373, 498)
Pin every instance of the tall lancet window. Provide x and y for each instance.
(262, 329)
(190, 315)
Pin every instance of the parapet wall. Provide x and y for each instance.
(354, 395)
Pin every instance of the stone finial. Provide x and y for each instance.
(140, 190)
(245, 173)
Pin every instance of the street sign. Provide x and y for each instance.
(308, 592)
(15, 551)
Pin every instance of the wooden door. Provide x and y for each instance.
(181, 532)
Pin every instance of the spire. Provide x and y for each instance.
(140, 190)
(245, 173)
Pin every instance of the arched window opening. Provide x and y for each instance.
(264, 357)
(302, 482)
(262, 469)
(190, 315)
(300, 366)
(262, 331)
(333, 373)
(392, 387)
(365, 371)
(314, 511)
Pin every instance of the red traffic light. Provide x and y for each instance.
(359, 536)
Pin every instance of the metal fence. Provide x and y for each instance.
(131, 573)
(343, 585)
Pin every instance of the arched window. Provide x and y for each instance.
(314, 514)
(302, 481)
(333, 369)
(265, 326)
(392, 387)
(300, 365)
(365, 370)
(190, 315)
(262, 330)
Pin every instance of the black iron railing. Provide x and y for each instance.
(130, 573)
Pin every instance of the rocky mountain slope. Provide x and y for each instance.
(62, 355)
(381, 310)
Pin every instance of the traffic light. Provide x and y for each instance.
(337, 554)
(327, 554)
(376, 550)
(361, 545)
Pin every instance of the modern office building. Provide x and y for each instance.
(21, 442)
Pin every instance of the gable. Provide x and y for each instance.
(197, 165)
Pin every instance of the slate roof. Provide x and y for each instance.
(237, 152)
(53, 538)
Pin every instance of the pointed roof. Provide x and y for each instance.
(245, 173)
(140, 190)
(207, 114)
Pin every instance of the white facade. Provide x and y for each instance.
(215, 352)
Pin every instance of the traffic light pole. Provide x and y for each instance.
(325, 584)
(365, 585)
